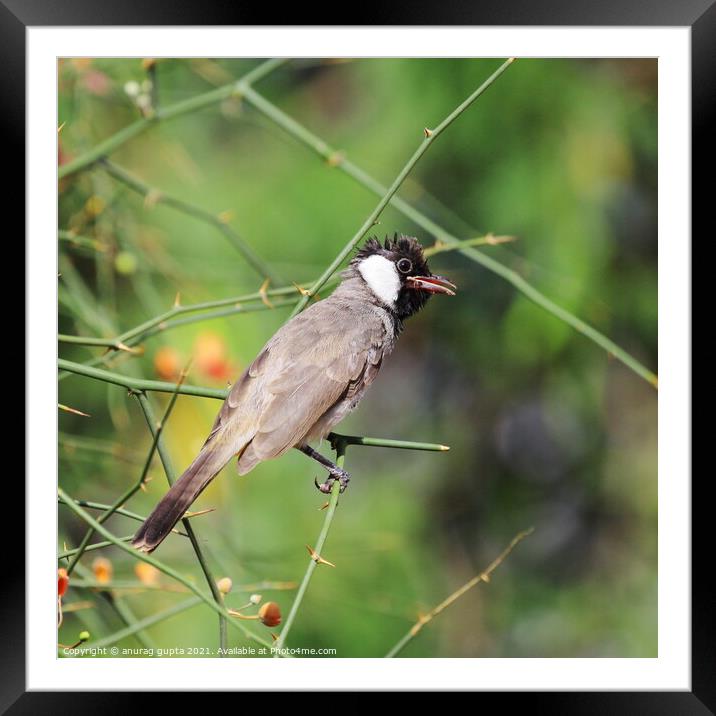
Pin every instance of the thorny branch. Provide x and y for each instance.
(128, 340)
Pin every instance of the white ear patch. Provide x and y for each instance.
(382, 277)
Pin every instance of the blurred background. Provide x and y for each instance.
(545, 430)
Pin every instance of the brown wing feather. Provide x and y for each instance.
(308, 369)
(244, 394)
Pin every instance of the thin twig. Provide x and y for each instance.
(119, 511)
(482, 577)
(429, 138)
(92, 341)
(487, 240)
(163, 321)
(335, 439)
(138, 385)
(219, 313)
(137, 586)
(312, 562)
(128, 585)
(91, 547)
(237, 302)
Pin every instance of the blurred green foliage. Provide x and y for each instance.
(545, 430)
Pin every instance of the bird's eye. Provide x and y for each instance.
(404, 266)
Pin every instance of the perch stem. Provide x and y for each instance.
(340, 448)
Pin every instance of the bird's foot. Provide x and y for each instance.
(341, 475)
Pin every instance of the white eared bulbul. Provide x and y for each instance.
(310, 375)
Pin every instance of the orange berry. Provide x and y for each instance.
(270, 614)
(211, 358)
(102, 569)
(146, 573)
(167, 363)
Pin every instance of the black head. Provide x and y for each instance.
(398, 274)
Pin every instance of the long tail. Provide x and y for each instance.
(174, 504)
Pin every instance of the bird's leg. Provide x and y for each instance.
(334, 472)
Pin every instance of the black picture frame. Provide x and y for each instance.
(699, 15)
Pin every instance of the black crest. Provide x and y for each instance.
(399, 247)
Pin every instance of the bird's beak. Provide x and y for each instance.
(431, 284)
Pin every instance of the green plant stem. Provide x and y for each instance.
(340, 448)
(147, 622)
(91, 341)
(67, 554)
(168, 325)
(336, 439)
(430, 137)
(218, 608)
(484, 576)
(119, 511)
(237, 303)
(163, 321)
(487, 240)
(155, 428)
(336, 159)
(163, 587)
(138, 385)
(219, 313)
(111, 144)
(127, 585)
(132, 490)
(185, 207)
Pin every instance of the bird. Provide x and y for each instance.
(310, 375)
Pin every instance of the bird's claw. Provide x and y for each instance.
(326, 487)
